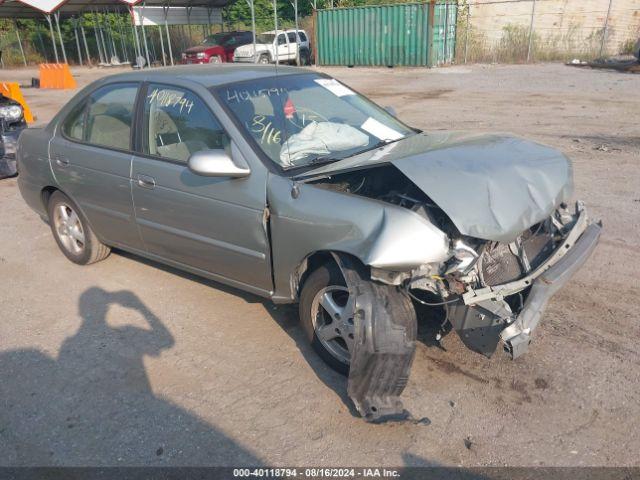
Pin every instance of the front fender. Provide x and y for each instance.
(306, 219)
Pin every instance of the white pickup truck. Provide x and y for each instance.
(281, 44)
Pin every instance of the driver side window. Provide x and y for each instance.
(178, 124)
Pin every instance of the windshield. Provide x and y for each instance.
(265, 38)
(301, 120)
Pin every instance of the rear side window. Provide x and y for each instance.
(110, 116)
(179, 124)
(73, 126)
(292, 37)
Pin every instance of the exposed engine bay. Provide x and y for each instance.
(474, 265)
(388, 184)
(479, 263)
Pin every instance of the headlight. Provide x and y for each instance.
(464, 256)
(200, 55)
(11, 112)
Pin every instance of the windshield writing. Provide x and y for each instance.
(299, 120)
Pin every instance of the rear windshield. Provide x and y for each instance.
(218, 39)
(265, 37)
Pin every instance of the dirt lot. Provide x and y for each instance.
(128, 362)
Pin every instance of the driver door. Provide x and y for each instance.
(212, 226)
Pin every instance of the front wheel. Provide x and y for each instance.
(326, 316)
(263, 59)
(73, 233)
(215, 59)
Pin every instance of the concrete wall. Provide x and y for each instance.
(572, 24)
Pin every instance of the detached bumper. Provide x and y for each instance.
(484, 318)
(8, 143)
(517, 336)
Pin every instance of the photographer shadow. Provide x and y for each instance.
(94, 405)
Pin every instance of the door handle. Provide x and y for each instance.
(62, 161)
(146, 181)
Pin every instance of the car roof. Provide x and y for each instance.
(234, 32)
(208, 75)
(284, 31)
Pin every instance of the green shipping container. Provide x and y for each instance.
(411, 34)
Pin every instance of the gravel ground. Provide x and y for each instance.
(128, 362)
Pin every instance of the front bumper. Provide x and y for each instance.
(517, 336)
(8, 143)
(483, 318)
(237, 59)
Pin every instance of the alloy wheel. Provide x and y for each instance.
(332, 316)
(69, 229)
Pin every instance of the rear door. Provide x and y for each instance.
(212, 225)
(293, 45)
(283, 47)
(91, 158)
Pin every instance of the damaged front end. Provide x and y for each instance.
(497, 291)
(492, 290)
(491, 295)
(385, 328)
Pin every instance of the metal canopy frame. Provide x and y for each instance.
(25, 9)
(36, 9)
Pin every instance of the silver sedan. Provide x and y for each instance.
(293, 186)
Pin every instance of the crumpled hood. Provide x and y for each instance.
(492, 187)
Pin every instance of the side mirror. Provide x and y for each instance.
(215, 163)
(390, 110)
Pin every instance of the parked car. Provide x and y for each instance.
(285, 43)
(12, 122)
(217, 48)
(296, 188)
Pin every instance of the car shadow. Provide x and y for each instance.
(93, 404)
(431, 322)
(286, 317)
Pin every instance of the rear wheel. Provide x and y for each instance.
(326, 315)
(73, 233)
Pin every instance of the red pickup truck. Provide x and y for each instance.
(217, 48)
